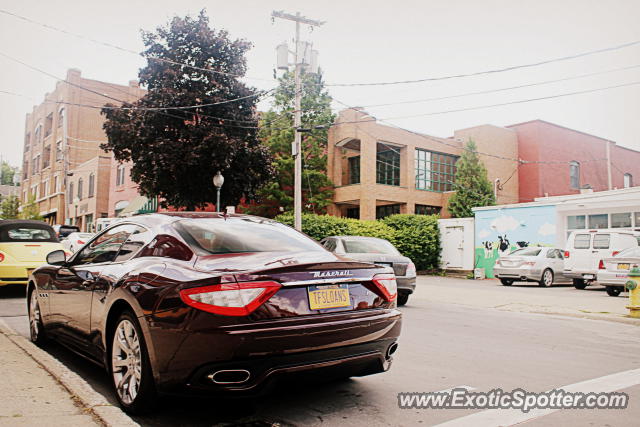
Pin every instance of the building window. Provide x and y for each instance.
(46, 157)
(27, 142)
(60, 117)
(70, 195)
(428, 210)
(88, 223)
(388, 165)
(37, 135)
(48, 125)
(25, 170)
(574, 174)
(599, 221)
(59, 150)
(119, 206)
(120, 175)
(435, 171)
(386, 210)
(353, 213)
(621, 220)
(36, 165)
(354, 170)
(43, 189)
(54, 185)
(92, 184)
(628, 180)
(576, 222)
(80, 189)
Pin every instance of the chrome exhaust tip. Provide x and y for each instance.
(392, 349)
(230, 376)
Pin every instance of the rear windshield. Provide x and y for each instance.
(28, 234)
(372, 246)
(64, 231)
(237, 235)
(527, 252)
(582, 241)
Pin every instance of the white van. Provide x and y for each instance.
(585, 250)
(102, 223)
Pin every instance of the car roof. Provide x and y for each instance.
(162, 218)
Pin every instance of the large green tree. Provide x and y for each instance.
(10, 207)
(6, 172)
(277, 133)
(176, 151)
(472, 187)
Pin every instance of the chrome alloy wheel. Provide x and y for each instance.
(126, 361)
(34, 316)
(547, 278)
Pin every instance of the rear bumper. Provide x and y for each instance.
(517, 273)
(606, 278)
(584, 275)
(187, 350)
(406, 284)
(16, 273)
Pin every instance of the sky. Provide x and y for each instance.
(363, 42)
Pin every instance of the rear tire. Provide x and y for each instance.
(579, 283)
(130, 368)
(506, 282)
(613, 291)
(547, 278)
(36, 327)
(403, 298)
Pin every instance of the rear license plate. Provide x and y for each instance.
(328, 296)
(623, 266)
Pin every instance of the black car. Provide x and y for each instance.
(212, 303)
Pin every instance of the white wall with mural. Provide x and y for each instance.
(501, 230)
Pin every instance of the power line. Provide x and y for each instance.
(482, 92)
(123, 49)
(493, 71)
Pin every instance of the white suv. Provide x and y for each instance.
(585, 250)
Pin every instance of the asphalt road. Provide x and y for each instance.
(443, 345)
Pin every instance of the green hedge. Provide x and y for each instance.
(415, 236)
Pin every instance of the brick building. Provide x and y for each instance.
(585, 161)
(62, 134)
(380, 170)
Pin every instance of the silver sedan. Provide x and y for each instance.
(533, 264)
(613, 272)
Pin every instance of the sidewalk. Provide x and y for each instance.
(591, 303)
(36, 389)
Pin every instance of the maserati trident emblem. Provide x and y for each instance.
(331, 273)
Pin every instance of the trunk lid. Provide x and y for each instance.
(29, 251)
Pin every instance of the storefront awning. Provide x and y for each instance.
(140, 205)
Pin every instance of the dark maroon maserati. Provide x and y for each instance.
(207, 303)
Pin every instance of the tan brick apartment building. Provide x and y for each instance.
(379, 170)
(61, 149)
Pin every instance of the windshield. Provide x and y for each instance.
(629, 253)
(236, 235)
(369, 246)
(526, 252)
(29, 234)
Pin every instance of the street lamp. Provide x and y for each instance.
(76, 202)
(218, 180)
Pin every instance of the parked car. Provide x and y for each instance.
(531, 264)
(188, 302)
(585, 250)
(613, 272)
(24, 245)
(75, 241)
(380, 252)
(63, 230)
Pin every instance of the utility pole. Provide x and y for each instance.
(609, 184)
(300, 58)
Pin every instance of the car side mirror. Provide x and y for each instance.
(57, 257)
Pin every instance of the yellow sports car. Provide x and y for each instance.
(24, 245)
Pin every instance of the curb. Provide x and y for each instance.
(80, 390)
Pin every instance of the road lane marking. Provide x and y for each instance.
(509, 417)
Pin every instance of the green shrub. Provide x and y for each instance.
(417, 237)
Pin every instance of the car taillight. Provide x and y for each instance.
(411, 269)
(80, 242)
(1, 257)
(566, 254)
(387, 285)
(615, 253)
(601, 265)
(230, 299)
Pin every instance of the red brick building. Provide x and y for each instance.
(583, 161)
